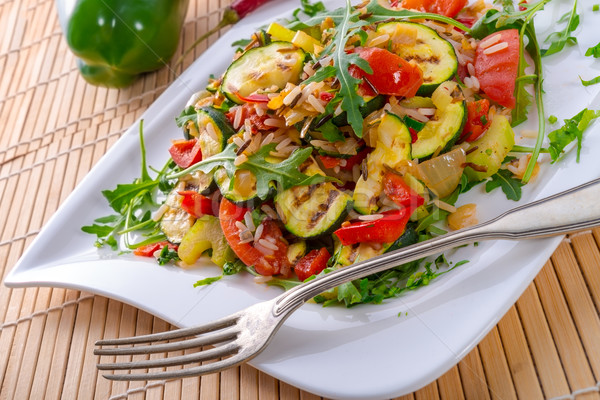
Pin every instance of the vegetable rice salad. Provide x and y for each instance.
(338, 136)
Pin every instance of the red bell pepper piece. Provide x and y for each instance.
(185, 153)
(312, 263)
(392, 75)
(254, 98)
(332, 162)
(477, 119)
(396, 188)
(197, 205)
(384, 230)
(148, 250)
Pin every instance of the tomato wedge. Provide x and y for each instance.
(392, 75)
(195, 204)
(384, 230)
(148, 250)
(257, 122)
(185, 153)
(477, 119)
(312, 263)
(449, 8)
(497, 71)
(332, 162)
(396, 188)
(264, 264)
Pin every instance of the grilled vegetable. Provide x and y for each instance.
(312, 211)
(433, 54)
(393, 146)
(262, 67)
(205, 234)
(214, 130)
(446, 125)
(490, 149)
(175, 221)
(243, 191)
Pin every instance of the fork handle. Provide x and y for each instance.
(575, 209)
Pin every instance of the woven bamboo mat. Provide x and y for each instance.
(54, 127)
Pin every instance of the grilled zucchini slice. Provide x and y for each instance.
(393, 146)
(262, 67)
(175, 222)
(434, 55)
(214, 142)
(315, 210)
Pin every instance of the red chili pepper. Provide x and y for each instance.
(245, 7)
(396, 188)
(254, 98)
(197, 205)
(384, 230)
(185, 152)
(312, 263)
(148, 250)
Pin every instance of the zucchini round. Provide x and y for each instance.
(262, 67)
(434, 55)
(393, 146)
(221, 128)
(440, 133)
(243, 191)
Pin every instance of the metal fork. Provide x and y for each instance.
(242, 335)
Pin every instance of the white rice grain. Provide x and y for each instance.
(266, 251)
(428, 112)
(287, 100)
(495, 48)
(239, 160)
(283, 144)
(249, 222)
(210, 129)
(259, 232)
(239, 141)
(313, 101)
(240, 225)
(475, 82)
(275, 122)
(372, 217)
(442, 205)
(237, 119)
(378, 40)
(269, 211)
(484, 44)
(267, 140)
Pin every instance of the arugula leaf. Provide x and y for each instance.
(187, 114)
(572, 130)
(591, 82)
(167, 255)
(593, 51)
(510, 186)
(308, 8)
(207, 281)
(558, 40)
(285, 173)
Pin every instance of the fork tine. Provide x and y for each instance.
(182, 373)
(204, 355)
(169, 335)
(217, 337)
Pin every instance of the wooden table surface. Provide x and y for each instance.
(54, 127)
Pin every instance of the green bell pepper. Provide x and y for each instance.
(118, 40)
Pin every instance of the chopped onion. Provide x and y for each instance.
(442, 174)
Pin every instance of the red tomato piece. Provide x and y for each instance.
(196, 205)
(398, 190)
(148, 250)
(326, 96)
(384, 230)
(392, 75)
(312, 263)
(477, 119)
(264, 264)
(185, 153)
(497, 71)
(449, 8)
(257, 122)
(330, 162)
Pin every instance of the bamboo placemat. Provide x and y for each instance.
(54, 128)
